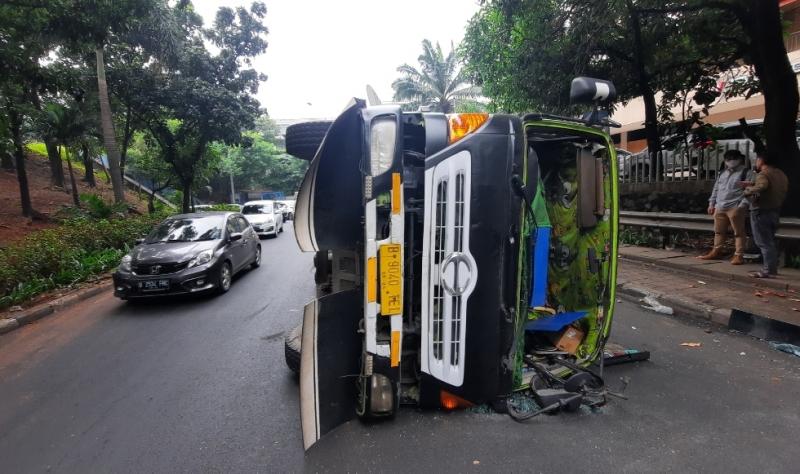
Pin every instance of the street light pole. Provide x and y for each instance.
(233, 193)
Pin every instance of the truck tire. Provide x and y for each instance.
(303, 139)
(291, 348)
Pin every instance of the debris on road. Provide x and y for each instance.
(692, 344)
(785, 347)
(654, 305)
(742, 353)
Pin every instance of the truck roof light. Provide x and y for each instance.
(462, 125)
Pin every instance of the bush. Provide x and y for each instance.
(223, 207)
(71, 253)
(99, 209)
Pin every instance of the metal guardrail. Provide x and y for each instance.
(136, 185)
(692, 164)
(789, 228)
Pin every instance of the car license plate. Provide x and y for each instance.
(391, 265)
(154, 285)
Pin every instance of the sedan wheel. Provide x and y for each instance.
(225, 277)
(257, 262)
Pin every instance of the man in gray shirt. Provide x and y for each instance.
(729, 206)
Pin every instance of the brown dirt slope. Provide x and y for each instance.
(45, 198)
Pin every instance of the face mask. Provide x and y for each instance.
(731, 164)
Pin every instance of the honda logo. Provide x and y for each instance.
(155, 269)
(456, 273)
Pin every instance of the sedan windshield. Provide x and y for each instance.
(257, 209)
(187, 230)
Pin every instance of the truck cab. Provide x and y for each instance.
(458, 256)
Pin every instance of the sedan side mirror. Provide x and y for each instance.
(236, 236)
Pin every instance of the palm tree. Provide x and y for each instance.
(66, 126)
(439, 82)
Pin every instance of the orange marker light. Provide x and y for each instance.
(462, 125)
(452, 402)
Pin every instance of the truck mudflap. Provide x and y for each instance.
(329, 208)
(330, 363)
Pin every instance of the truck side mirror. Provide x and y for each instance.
(587, 90)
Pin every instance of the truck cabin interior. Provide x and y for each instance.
(569, 227)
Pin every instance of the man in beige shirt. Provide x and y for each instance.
(766, 197)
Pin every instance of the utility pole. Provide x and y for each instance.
(233, 193)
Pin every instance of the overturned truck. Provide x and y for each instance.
(459, 259)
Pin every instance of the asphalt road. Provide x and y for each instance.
(200, 386)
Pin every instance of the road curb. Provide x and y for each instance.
(17, 320)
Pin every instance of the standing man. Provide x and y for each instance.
(766, 196)
(729, 206)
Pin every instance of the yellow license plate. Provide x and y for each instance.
(391, 266)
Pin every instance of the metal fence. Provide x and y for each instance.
(792, 42)
(687, 164)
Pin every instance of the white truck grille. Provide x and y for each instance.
(449, 272)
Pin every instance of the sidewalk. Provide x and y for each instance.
(714, 290)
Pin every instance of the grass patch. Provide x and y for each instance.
(40, 148)
(82, 247)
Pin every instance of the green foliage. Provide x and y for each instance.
(261, 165)
(439, 82)
(97, 208)
(638, 236)
(222, 207)
(524, 54)
(68, 254)
(40, 148)
(144, 157)
(193, 98)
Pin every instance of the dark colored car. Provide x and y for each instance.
(188, 253)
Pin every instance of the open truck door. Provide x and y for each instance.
(329, 363)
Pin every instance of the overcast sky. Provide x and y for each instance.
(323, 52)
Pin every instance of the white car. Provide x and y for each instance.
(264, 216)
(288, 211)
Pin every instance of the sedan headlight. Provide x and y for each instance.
(125, 264)
(383, 137)
(201, 258)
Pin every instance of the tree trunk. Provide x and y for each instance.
(56, 167)
(186, 204)
(151, 205)
(88, 163)
(15, 122)
(648, 95)
(779, 86)
(109, 140)
(75, 199)
(126, 140)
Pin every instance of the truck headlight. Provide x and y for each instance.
(383, 137)
(201, 258)
(125, 263)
